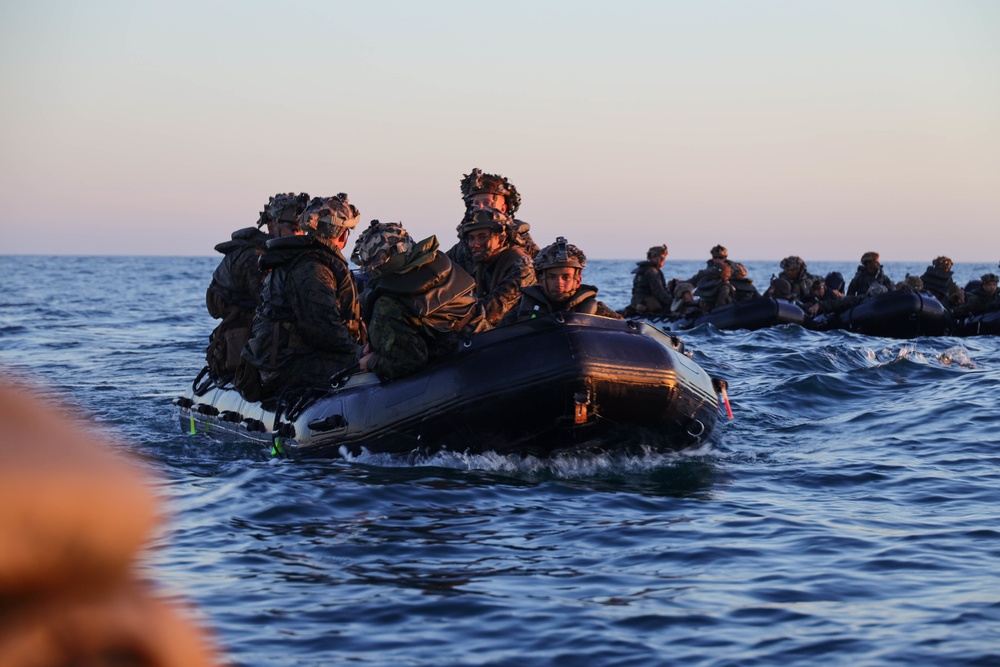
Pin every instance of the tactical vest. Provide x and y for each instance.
(645, 273)
(534, 302)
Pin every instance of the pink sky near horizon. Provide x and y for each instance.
(774, 128)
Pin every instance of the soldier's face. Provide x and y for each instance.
(483, 244)
(486, 200)
(990, 288)
(561, 284)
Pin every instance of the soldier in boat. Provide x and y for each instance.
(481, 190)
(418, 303)
(794, 270)
(560, 289)
(234, 293)
(714, 289)
(869, 273)
(309, 325)
(743, 287)
(938, 278)
(651, 294)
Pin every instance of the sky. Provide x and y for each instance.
(818, 129)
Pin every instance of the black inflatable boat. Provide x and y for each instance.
(898, 314)
(756, 314)
(554, 383)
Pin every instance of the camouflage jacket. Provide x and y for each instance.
(713, 292)
(864, 279)
(419, 315)
(309, 308)
(535, 303)
(459, 253)
(237, 281)
(649, 282)
(499, 281)
(800, 286)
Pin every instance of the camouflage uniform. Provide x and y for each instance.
(417, 308)
(309, 324)
(649, 288)
(743, 287)
(865, 277)
(800, 284)
(937, 279)
(980, 301)
(499, 281)
(714, 289)
(534, 303)
(477, 182)
(233, 296)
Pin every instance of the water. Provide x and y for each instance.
(848, 515)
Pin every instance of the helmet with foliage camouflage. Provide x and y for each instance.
(326, 218)
(560, 254)
(913, 283)
(657, 251)
(739, 271)
(793, 262)
(487, 218)
(283, 207)
(378, 244)
(988, 278)
(477, 183)
(943, 263)
(870, 256)
(719, 252)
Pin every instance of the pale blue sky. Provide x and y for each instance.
(822, 129)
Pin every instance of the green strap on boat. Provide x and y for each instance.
(277, 449)
(193, 429)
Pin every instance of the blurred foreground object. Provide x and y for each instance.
(73, 518)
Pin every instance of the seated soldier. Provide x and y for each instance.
(869, 273)
(481, 190)
(714, 289)
(650, 292)
(719, 256)
(500, 267)
(234, 294)
(793, 269)
(684, 304)
(559, 271)
(984, 299)
(938, 279)
(780, 289)
(418, 303)
(309, 324)
(743, 286)
(910, 284)
(823, 299)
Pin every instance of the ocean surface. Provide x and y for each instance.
(848, 515)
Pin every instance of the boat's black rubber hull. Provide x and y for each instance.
(987, 324)
(533, 388)
(896, 314)
(750, 315)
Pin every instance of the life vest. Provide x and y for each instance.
(535, 303)
(936, 282)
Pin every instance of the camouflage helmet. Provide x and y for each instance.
(793, 262)
(487, 218)
(378, 244)
(283, 207)
(739, 271)
(818, 283)
(657, 251)
(781, 288)
(870, 256)
(915, 283)
(560, 254)
(988, 278)
(477, 183)
(719, 252)
(328, 217)
(943, 263)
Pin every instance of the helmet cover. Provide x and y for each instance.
(329, 217)
(379, 243)
(283, 207)
(477, 183)
(719, 252)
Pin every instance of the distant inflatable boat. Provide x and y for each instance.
(550, 384)
(896, 314)
(759, 313)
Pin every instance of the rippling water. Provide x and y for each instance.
(848, 515)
